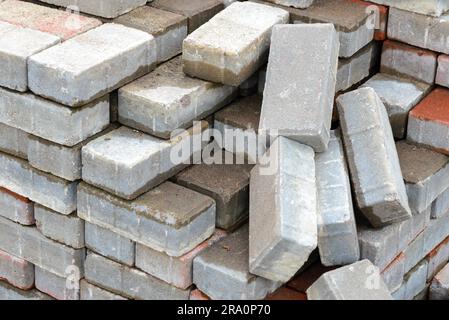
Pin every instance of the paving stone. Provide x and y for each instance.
(425, 172)
(358, 281)
(393, 274)
(14, 54)
(414, 282)
(90, 292)
(127, 163)
(169, 29)
(102, 8)
(198, 12)
(429, 7)
(419, 30)
(441, 205)
(227, 184)
(129, 282)
(16, 271)
(166, 99)
(63, 24)
(337, 233)
(110, 245)
(50, 120)
(177, 271)
(243, 39)
(91, 65)
(288, 97)
(404, 60)
(53, 192)
(13, 141)
(379, 20)
(169, 218)
(301, 4)
(437, 232)
(8, 292)
(16, 208)
(439, 289)
(283, 210)
(428, 122)
(372, 157)
(399, 95)
(68, 230)
(227, 260)
(55, 286)
(437, 258)
(442, 77)
(29, 244)
(415, 252)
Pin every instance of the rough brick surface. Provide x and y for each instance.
(16, 208)
(441, 205)
(428, 7)
(302, 4)
(393, 274)
(8, 292)
(437, 258)
(16, 271)
(14, 141)
(60, 288)
(414, 282)
(91, 292)
(442, 77)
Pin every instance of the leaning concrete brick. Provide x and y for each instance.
(68, 230)
(399, 95)
(50, 120)
(428, 122)
(129, 282)
(441, 205)
(227, 184)
(169, 218)
(393, 274)
(16, 271)
(442, 77)
(372, 157)
(283, 210)
(8, 292)
(198, 12)
(227, 260)
(16, 208)
(91, 65)
(337, 233)
(63, 24)
(429, 7)
(14, 53)
(167, 99)
(404, 60)
(419, 30)
(176, 271)
(425, 172)
(243, 38)
(169, 29)
(110, 244)
(358, 281)
(14, 141)
(437, 258)
(439, 289)
(414, 282)
(29, 244)
(287, 97)
(53, 192)
(91, 292)
(60, 288)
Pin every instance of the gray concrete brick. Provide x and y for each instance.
(302, 4)
(203, 49)
(112, 55)
(177, 271)
(442, 77)
(288, 97)
(414, 282)
(425, 172)
(283, 211)
(8, 292)
(227, 260)
(55, 286)
(168, 29)
(399, 95)
(372, 157)
(50, 120)
(169, 218)
(68, 230)
(16, 208)
(16, 271)
(393, 274)
(441, 205)
(110, 244)
(14, 141)
(166, 99)
(53, 192)
(358, 281)
(337, 234)
(439, 289)
(90, 292)
(429, 7)
(29, 244)
(129, 282)
(437, 259)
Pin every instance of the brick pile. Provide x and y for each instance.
(339, 189)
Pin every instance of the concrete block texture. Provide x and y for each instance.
(429, 7)
(166, 99)
(439, 289)
(91, 292)
(8, 292)
(92, 64)
(393, 274)
(16, 208)
(288, 97)
(414, 282)
(358, 281)
(169, 218)
(60, 288)
(441, 205)
(301, 4)
(437, 259)
(442, 77)
(243, 38)
(16, 271)
(283, 210)
(227, 260)
(372, 157)
(14, 141)
(337, 233)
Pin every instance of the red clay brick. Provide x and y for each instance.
(434, 107)
(286, 294)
